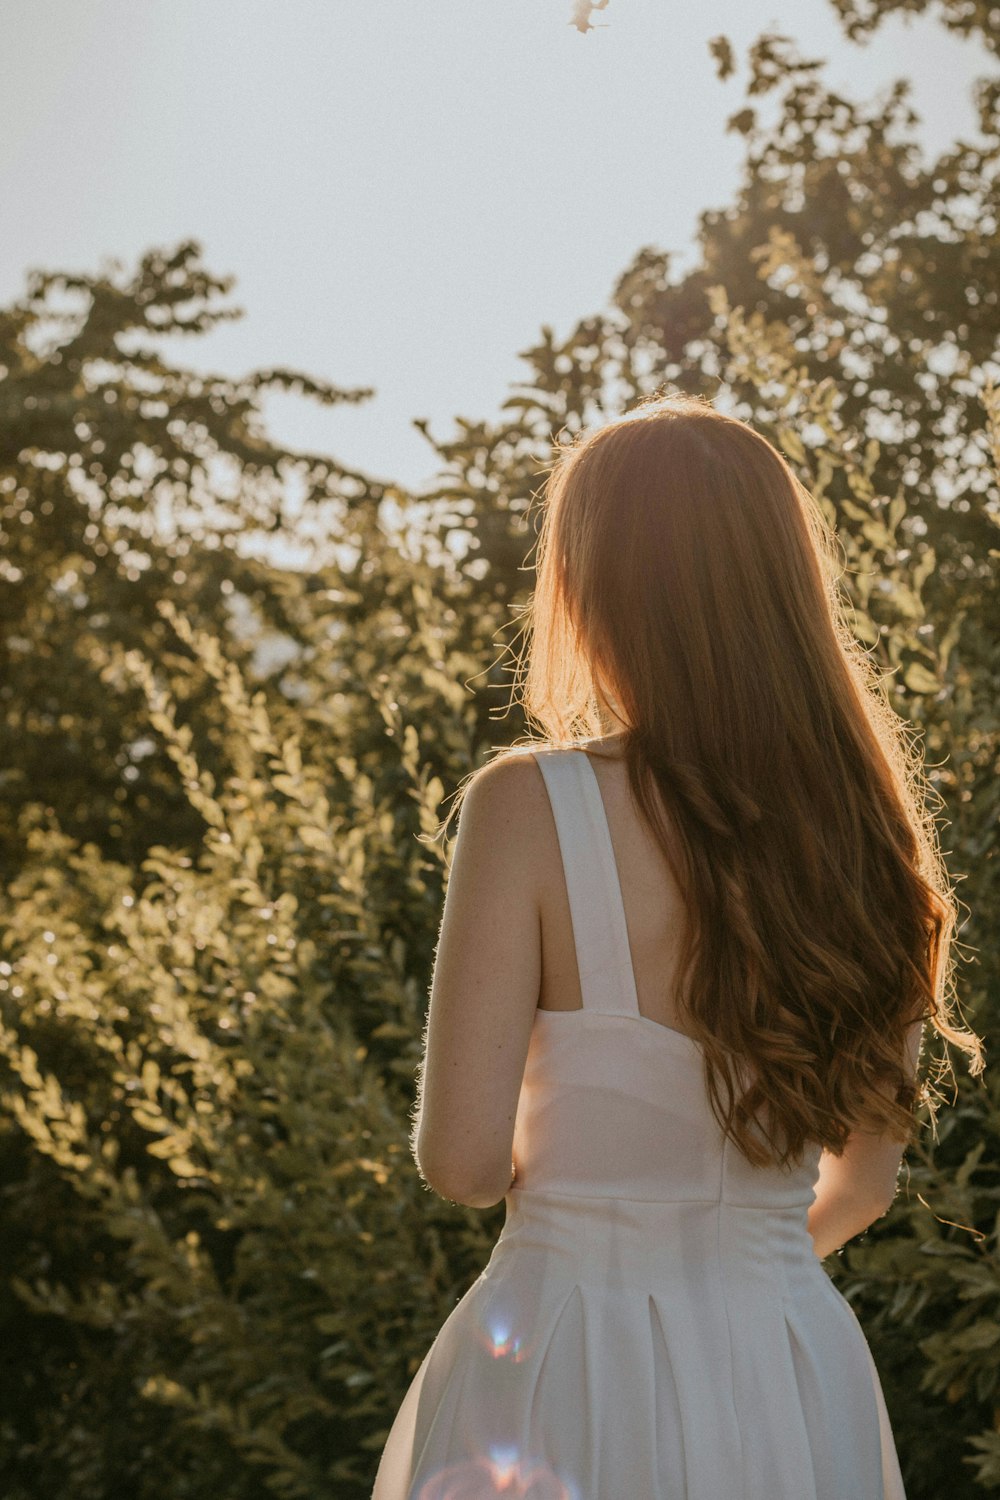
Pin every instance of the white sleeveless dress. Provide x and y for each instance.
(653, 1322)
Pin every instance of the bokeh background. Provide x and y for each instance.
(294, 303)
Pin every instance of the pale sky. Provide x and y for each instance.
(405, 190)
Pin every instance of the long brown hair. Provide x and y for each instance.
(681, 563)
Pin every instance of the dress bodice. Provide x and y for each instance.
(614, 1104)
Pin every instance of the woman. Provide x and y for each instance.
(690, 941)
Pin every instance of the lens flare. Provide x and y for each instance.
(504, 1343)
(501, 1474)
(500, 1334)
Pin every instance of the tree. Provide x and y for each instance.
(124, 481)
(219, 960)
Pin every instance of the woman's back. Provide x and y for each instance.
(655, 911)
(613, 1102)
(653, 1321)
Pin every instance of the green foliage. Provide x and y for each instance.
(222, 898)
(124, 480)
(977, 18)
(251, 1247)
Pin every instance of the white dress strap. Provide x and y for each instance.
(600, 934)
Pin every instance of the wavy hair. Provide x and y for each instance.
(682, 564)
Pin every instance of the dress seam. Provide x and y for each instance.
(722, 1205)
(757, 1208)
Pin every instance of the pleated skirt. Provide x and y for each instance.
(623, 1350)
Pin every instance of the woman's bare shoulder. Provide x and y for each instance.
(509, 780)
(512, 776)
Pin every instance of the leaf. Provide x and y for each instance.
(315, 838)
(792, 444)
(169, 1145)
(924, 568)
(983, 1334)
(391, 1031)
(918, 679)
(721, 50)
(742, 122)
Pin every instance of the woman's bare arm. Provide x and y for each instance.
(856, 1188)
(484, 994)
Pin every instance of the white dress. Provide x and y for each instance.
(653, 1322)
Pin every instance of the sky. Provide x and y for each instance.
(405, 190)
